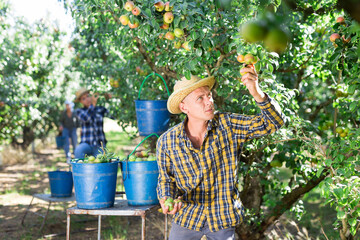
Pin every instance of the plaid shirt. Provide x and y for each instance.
(206, 178)
(92, 122)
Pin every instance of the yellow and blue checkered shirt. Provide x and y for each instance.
(206, 178)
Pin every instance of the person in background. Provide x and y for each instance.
(68, 126)
(91, 118)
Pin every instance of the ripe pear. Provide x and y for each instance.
(129, 6)
(178, 32)
(91, 159)
(159, 6)
(168, 8)
(168, 17)
(132, 158)
(124, 20)
(170, 36)
(249, 58)
(275, 163)
(177, 44)
(276, 40)
(186, 46)
(133, 25)
(164, 26)
(136, 11)
(340, 19)
(334, 36)
(253, 31)
(346, 40)
(240, 58)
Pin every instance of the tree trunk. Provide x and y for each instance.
(249, 232)
(252, 198)
(27, 138)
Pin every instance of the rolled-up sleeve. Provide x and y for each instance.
(267, 122)
(166, 181)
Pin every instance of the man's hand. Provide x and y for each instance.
(94, 99)
(250, 80)
(165, 207)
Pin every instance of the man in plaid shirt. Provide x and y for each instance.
(91, 118)
(197, 158)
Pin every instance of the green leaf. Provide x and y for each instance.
(147, 12)
(187, 75)
(206, 44)
(177, 21)
(270, 67)
(352, 89)
(353, 106)
(341, 214)
(193, 35)
(198, 52)
(352, 222)
(340, 157)
(338, 192)
(328, 162)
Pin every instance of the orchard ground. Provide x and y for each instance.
(26, 174)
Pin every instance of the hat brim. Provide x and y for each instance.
(78, 98)
(177, 96)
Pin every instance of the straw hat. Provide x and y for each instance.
(185, 87)
(79, 94)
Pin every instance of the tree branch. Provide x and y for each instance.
(160, 70)
(276, 142)
(318, 109)
(222, 57)
(289, 199)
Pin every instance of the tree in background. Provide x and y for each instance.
(32, 77)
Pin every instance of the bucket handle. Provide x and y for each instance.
(127, 158)
(154, 73)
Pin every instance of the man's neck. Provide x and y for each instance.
(196, 129)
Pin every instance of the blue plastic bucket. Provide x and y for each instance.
(140, 181)
(95, 184)
(60, 141)
(61, 183)
(152, 115)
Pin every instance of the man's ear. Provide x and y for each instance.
(183, 107)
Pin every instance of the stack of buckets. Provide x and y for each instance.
(61, 183)
(140, 178)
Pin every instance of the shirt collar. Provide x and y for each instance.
(213, 123)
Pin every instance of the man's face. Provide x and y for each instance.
(199, 104)
(85, 100)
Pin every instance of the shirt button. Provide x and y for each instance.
(207, 193)
(208, 208)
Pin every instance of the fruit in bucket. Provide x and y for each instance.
(132, 158)
(151, 158)
(104, 156)
(91, 159)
